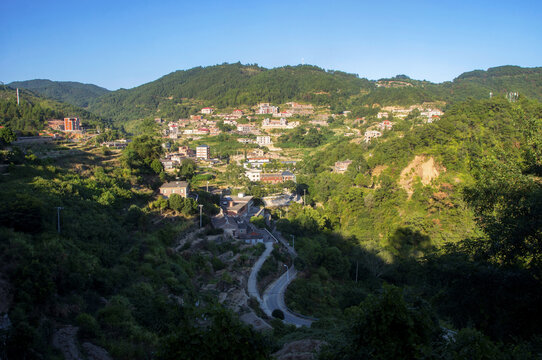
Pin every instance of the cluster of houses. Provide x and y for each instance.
(256, 175)
(281, 123)
(196, 125)
(429, 113)
(172, 160)
(234, 212)
(233, 219)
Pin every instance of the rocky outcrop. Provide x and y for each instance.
(300, 350)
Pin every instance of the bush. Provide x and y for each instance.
(277, 313)
(88, 326)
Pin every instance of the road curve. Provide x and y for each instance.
(252, 285)
(273, 298)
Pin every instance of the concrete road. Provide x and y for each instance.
(252, 284)
(273, 298)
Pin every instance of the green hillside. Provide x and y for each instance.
(183, 92)
(498, 80)
(33, 111)
(429, 246)
(232, 85)
(70, 92)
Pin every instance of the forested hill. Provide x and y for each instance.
(184, 92)
(70, 92)
(33, 111)
(228, 85)
(232, 85)
(499, 80)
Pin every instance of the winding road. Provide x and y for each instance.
(252, 284)
(273, 297)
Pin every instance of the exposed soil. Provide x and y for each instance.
(378, 170)
(426, 169)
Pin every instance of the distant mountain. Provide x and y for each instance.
(235, 85)
(70, 92)
(34, 110)
(498, 80)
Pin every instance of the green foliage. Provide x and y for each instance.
(185, 206)
(22, 212)
(70, 92)
(223, 337)
(156, 166)
(472, 344)
(278, 314)
(226, 85)
(141, 153)
(88, 326)
(187, 169)
(312, 138)
(387, 327)
(6, 136)
(259, 221)
(32, 112)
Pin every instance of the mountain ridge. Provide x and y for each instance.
(183, 92)
(71, 92)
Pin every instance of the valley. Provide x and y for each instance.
(234, 211)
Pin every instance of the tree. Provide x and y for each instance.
(225, 337)
(277, 313)
(386, 327)
(176, 202)
(141, 152)
(7, 136)
(156, 166)
(187, 169)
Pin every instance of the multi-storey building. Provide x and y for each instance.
(203, 152)
(72, 124)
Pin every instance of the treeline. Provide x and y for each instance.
(70, 92)
(182, 93)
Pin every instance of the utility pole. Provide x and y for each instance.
(200, 207)
(304, 196)
(287, 275)
(58, 208)
(293, 241)
(207, 186)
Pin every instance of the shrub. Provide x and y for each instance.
(277, 313)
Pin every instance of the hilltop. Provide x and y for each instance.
(34, 110)
(232, 85)
(70, 92)
(226, 86)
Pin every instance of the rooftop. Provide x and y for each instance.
(174, 184)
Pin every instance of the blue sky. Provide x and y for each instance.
(118, 44)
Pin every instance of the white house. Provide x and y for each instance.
(371, 134)
(253, 174)
(263, 140)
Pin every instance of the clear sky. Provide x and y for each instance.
(118, 44)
